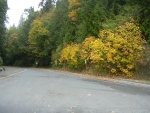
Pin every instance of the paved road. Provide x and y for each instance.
(45, 91)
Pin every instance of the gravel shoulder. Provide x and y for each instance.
(139, 83)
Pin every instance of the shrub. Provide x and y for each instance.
(116, 51)
(70, 56)
(123, 47)
(1, 61)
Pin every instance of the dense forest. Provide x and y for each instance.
(110, 36)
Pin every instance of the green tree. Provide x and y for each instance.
(38, 41)
(11, 46)
(25, 58)
(143, 17)
(16, 46)
(61, 28)
(90, 17)
(46, 5)
(3, 10)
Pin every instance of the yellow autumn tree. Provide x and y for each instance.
(86, 48)
(37, 37)
(123, 47)
(74, 8)
(73, 3)
(97, 54)
(73, 14)
(70, 56)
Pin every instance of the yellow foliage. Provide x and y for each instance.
(73, 14)
(109, 57)
(73, 9)
(70, 56)
(73, 3)
(97, 51)
(86, 48)
(104, 34)
(124, 47)
(130, 66)
(113, 70)
(36, 34)
(115, 50)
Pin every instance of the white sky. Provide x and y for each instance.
(16, 8)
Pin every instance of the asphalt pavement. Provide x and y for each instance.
(29, 90)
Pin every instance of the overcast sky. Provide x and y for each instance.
(16, 8)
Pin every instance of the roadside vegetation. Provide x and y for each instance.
(1, 61)
(105, 37)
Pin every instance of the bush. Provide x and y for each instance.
(1, 61)
(116, 51)
(70, 57)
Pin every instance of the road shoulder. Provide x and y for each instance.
(138, 83)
